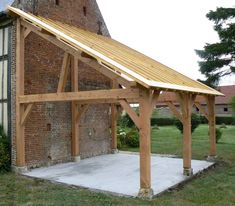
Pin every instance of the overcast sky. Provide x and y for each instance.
(166, 30)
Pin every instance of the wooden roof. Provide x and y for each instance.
(118, 57)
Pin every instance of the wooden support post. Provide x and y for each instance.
(186, 101)
(20, 138)
(212, 126)
(75, 121)
(114, 116)
(145, 144)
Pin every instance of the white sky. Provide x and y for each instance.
(166, 30)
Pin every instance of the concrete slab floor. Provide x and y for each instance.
(118, 173)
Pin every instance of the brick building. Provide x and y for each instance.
(52, 143)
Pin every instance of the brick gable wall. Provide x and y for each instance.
(48, 129)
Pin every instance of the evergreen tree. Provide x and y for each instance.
(219, 58)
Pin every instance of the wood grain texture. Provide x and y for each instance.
(212, 124)
(20, 138)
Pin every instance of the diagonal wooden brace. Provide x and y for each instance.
(64, 73)
(202, 110)
(81, 110)
(26, 113)
(135, 118)
(175, 111)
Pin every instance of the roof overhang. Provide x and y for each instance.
(118, 58)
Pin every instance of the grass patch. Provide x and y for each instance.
(215, 187)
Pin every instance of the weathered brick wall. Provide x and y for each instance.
(48, 129)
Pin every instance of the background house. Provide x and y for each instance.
(222, 106)
(43, 62)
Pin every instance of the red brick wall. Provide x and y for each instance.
(48, 129)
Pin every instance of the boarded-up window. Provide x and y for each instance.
(4, 32)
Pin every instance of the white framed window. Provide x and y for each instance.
(4, 42)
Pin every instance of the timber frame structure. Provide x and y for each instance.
(135, 79)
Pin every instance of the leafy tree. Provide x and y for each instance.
(219, 58)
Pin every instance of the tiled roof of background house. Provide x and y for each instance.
(228, 91)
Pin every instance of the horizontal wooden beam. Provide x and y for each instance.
(109, 94)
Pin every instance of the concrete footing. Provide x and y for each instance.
(76, 158)
(211, 158)
(146, 194)
(19, 170)
(188, 172)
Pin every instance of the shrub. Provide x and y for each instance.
(121, 137)
(220, 120)
(218, 134)
(125, 121)
(132, 138)
(195, 121)
(155, 127)
(5, 163)
(223, 126)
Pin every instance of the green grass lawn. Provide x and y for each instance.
(214, 187)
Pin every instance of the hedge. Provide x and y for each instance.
(220, 120)
(203, 120)
(162, 121)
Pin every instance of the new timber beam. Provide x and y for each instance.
(20, 137)
(108, 94)
(212, 126)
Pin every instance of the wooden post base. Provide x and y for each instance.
(146, 194)
(76, 158)
(114, 151)
(19, 170)
(188, 172)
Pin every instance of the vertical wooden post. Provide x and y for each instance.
(145, 144)
(114, 115)
(186, 107)
(20, 138)
(75, 122)
(212, 126)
